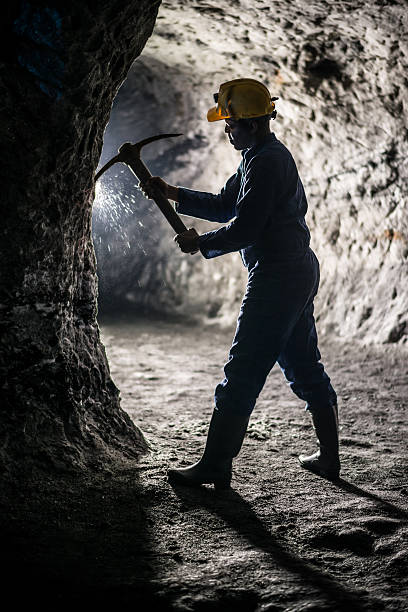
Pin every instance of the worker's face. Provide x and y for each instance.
(240, 135)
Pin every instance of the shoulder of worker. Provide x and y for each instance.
(270, 152)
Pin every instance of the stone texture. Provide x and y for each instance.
(59, 75)
(339, 69)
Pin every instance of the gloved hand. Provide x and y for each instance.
(188, 241)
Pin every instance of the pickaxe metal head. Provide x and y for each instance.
(128, 151)
(130, 155)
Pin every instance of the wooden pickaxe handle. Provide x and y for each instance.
(129, 154)
(133, 160)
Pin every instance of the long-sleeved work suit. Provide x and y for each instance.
(267, 202)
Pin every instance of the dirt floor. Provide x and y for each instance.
(281, 539)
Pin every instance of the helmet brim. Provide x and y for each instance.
(215, 114)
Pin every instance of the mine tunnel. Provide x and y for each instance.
(113, 340)
(341, 125)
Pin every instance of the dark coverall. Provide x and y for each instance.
(267, 202)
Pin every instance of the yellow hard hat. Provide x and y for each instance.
(242, 99)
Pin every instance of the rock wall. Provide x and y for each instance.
(61, 69)
(339, 70)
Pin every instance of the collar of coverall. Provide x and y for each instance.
(250, 152)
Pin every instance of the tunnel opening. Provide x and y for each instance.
(137, 268)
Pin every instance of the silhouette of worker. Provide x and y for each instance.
(265, 205)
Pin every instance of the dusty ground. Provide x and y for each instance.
(281, 540)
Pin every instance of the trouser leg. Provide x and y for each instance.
(272, 306)
(300, 362)
(252, 355)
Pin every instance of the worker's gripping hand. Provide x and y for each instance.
(188, 241)
(157, 183)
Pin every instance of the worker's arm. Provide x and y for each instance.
(212, 207)
(253, 210)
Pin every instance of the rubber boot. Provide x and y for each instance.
(326, 461)
(224, 440)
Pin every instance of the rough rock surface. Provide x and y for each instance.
(61, 69)
(339, 69)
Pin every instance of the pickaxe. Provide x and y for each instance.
(129, 154)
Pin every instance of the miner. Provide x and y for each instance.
(264, 206)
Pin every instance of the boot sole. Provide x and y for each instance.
(327, 474)
(175, 477)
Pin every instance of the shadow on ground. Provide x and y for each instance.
(77, 541)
